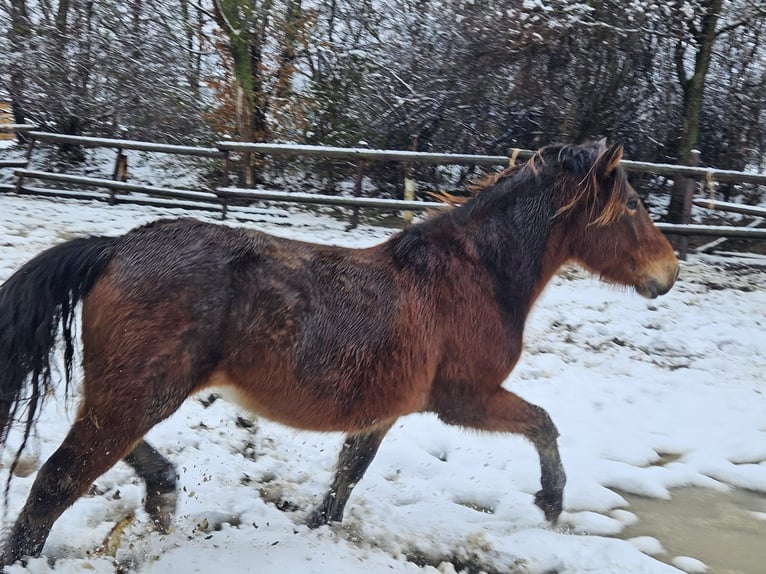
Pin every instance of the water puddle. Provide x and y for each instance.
(721, 529)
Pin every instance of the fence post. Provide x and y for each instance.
(120, 172)
(30, 147)
(226, 168)
(248, 169)
(360, 165)
(225, 180)
(28, 156)
(409, 182)
(686, 216)
(19, 181)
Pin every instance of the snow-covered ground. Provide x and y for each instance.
(647, 395)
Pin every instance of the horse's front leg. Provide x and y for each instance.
(502, 411)
(356, 455)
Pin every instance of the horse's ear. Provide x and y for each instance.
(608, 160)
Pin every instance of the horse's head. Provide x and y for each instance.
(610, 231)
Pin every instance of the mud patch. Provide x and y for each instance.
(463, 564)
(724, 530)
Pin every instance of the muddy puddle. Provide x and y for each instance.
(720, 529)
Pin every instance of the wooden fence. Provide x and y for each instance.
(10, 129)
(225, 197)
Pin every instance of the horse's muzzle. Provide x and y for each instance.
(656, 286)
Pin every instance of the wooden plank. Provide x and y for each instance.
(382, 155)
(126, 144)
(280, 196)
(693, 172)
(721, 240)
(365, 153)
(119, 185)
(118, 198)
(17, 128)
(13, 163)
(167, 203)
(711, 230)
(62, 193)
(443, 158)
(731, 207)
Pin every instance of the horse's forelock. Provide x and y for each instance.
(582, 161)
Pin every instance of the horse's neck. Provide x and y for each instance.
(520, 250)
(510, 240)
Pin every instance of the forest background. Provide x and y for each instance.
(467, 76)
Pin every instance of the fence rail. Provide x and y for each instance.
(126, 144)
(167, 192)
(330, 152)
(13, 163)
(344, 201)
(688, 229)
(731, 207)
(491, 160)
(224, 196)
(17, 128)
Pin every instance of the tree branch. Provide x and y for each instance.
(204, 11)
(222, 20)
(683, 79)
(732, 26)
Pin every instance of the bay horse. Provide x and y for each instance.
(313, 336)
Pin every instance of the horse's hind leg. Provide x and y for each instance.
(355, 456)
(159, 474)
(88, 451)
(105, 431)
(503, 411)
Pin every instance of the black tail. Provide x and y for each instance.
(33, 303)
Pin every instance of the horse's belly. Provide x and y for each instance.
(289, 403)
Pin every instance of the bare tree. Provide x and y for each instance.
(701, 25)
(19, 36)
(460, 76)
(105, 67)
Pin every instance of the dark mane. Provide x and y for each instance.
(575, 163)
(577, 160)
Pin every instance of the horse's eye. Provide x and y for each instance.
(632, 204)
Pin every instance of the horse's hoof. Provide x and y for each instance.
(551, 503)
(316, 519)
(161, 509)
(9, 558)
(327, 512)
(163, 525)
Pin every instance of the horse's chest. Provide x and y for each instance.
(485, 349)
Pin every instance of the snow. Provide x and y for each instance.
(647, 545)
(688, 564)
(648, 396)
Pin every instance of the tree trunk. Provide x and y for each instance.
(18, 37)
(693, 88)
(293, 23)
(193, 26)
(245, 27)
